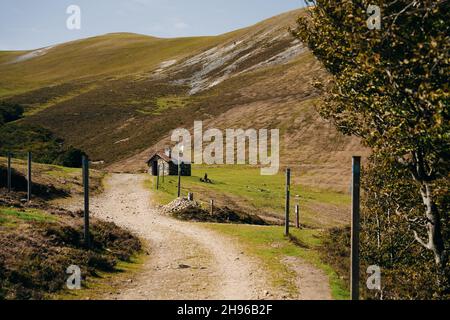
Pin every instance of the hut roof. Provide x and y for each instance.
(161, 155)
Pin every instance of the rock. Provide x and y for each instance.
(178, 205)
(184, 266)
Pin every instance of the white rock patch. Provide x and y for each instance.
(165, 65)
(32, 54)
(232, 55)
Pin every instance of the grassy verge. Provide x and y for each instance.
(40, 242)
(68, 180)
(270, 246)
(27, 215)
(39, 245)
(244, 188)
(11, 218)
(105, 283)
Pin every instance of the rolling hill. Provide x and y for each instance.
(118, 96)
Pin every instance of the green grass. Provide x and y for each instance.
(64, 178)
(3, 220)
(10, 217)
(270, 245)
(62, 172)
(105, 282)
(172, 102)
(245, 187)
(127, 96)
(41, 107)
(111, 55)
(47, 169)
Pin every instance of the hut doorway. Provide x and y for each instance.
(155, 168)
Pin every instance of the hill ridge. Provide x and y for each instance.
(118, 96)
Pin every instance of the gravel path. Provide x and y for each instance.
(187, 261)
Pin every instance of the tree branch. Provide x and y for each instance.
(419, 240)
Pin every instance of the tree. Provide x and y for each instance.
(10, 112)
(390, 87)
(71, 158)
(409, 270)
(20, 138)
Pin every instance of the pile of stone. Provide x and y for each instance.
(179, 205)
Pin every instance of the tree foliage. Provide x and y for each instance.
(387, 239)
(390, 87)
(43, 144)
(10, 112)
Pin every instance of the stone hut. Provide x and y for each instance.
(163, 163)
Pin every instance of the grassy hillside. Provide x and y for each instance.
(118, 96)
(108, 56)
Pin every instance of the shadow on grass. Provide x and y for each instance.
(19, 184)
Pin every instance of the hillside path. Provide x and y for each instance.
(186, 260)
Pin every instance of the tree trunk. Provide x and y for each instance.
(435, 241)
(434, 231)
(424, 176)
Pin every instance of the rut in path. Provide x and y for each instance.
(187, 261)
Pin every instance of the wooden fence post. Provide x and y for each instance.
(29, 182)
(297, 216)
(190, 196)
(157, 177)
(212, 207)
(288, 191)
(164, 171)
(9, 173)
(354, 268)
(86, 201)
(179, 179)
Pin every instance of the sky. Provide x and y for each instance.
(30, 24)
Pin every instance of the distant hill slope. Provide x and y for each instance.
(118, 96)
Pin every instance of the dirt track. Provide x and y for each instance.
(186, 260)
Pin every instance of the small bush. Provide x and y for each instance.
(221, 215)
(10, 112)
(43, 144)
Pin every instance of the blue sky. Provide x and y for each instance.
(30, 24)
